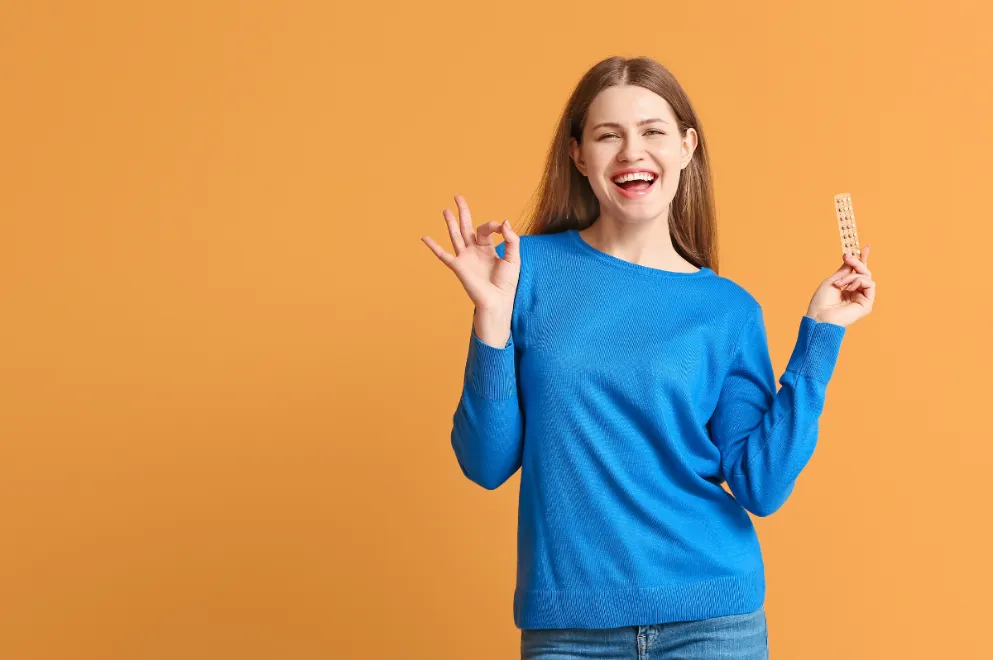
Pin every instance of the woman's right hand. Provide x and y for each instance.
(490, 281)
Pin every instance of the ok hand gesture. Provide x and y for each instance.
(490, 281)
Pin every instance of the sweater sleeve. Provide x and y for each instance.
(766, 437)
(488, 425)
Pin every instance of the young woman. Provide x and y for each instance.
(628, 380)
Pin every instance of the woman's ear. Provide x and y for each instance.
(688, 147)
(577, 156)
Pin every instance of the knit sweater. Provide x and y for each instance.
(627, 395)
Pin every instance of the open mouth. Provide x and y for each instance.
(636, 184)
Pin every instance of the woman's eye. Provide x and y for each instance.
(651, 130)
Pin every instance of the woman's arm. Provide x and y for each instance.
(487, 430)
(767, 437)
(488, 425)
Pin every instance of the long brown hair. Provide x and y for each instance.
(565, 200)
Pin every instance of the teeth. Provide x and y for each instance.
(644, 176)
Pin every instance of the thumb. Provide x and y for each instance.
(844, 269)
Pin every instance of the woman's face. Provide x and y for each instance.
(631, 128)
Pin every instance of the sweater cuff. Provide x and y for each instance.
(816, 351)
(492, 372)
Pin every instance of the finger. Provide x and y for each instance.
(465, 220)
(860, 283)
(445, 257)
(842, 281)
(851, 286)
(512, 250)
(843, 270)
(453, 231)
(857, 264)
(865, 254)
(869, 290)
(861, 299)
(865, 296)
(483, 232)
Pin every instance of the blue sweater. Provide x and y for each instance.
(627, 395)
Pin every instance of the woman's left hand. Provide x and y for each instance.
(832, 304)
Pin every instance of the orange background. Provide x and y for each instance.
(229, 365)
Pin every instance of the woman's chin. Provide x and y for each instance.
(638, 212)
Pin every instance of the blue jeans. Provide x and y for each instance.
(734, 637)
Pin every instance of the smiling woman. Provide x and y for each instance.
(627, 380)
(631, 117)
(654, 148)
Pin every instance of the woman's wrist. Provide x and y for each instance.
(492, 326)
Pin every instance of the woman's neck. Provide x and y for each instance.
(647, 244)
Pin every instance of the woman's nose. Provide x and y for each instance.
(632, 149)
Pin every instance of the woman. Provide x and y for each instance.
(628, 380)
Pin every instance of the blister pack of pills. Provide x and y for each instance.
(846, 224)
